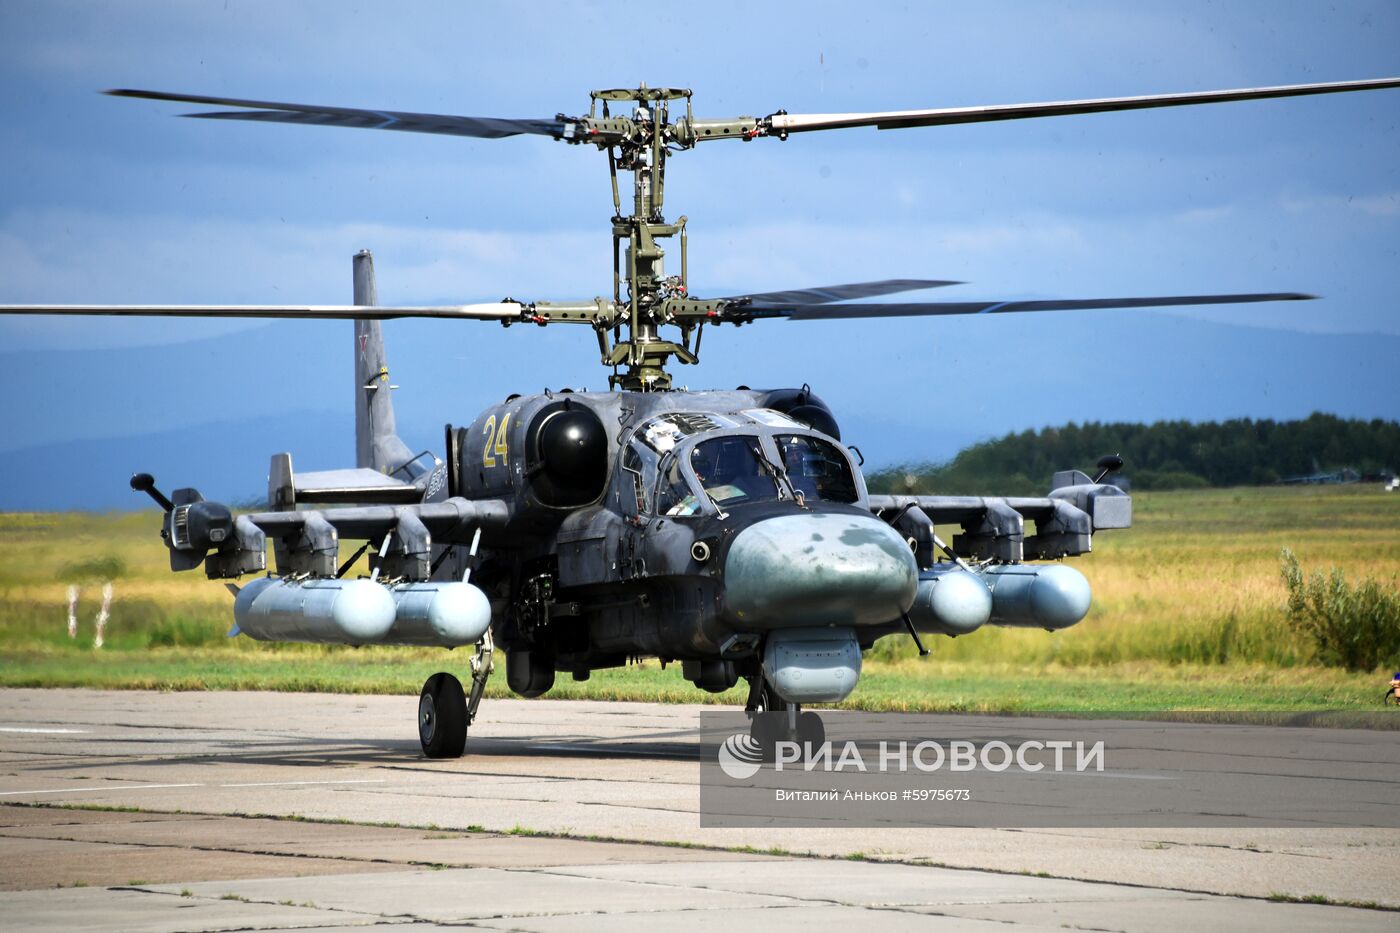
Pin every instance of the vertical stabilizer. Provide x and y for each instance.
(377, 444)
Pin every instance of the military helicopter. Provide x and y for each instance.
(730, 532)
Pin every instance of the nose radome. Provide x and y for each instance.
(819, 568)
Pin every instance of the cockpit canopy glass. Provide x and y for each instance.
(743, 459)
(733, 470)
(816, 468)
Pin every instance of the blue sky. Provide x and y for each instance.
(114, 200)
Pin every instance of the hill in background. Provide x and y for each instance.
(1164, 455)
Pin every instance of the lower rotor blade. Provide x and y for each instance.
(498, 311)
(936, 308)
(826, 293)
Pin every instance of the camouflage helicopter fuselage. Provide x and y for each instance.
(681, 525)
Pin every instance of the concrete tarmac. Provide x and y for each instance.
(272, 811)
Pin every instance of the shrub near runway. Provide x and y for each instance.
(1189, 613)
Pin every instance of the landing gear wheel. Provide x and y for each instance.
(442, 717)
(773, 719)
(810, 730)
(762, 697)
(768, 729)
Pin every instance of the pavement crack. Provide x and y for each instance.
(224, 850)
(244, 899)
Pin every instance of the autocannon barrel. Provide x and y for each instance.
(361, 612)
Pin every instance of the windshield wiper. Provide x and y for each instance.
(779, 475)
(718, 508)
(674, 461)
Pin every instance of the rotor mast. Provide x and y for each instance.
(644, 296)
(641, 288)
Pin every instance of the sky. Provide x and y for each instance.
(111, 200)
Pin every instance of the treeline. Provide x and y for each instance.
(1165, 455)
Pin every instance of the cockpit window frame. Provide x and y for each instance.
(780, 492)
(822, 445)
(677, 458)
(636, 495)
(767, 439)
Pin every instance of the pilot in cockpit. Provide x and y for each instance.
(730, 470)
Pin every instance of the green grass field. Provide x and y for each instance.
(1187, 616)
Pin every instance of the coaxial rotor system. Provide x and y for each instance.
(638, 129)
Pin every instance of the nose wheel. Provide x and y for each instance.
(773, 719)
(442, 717)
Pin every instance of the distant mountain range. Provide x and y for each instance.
(209, 413)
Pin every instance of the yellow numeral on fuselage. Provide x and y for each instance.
(503, 440)
(497, 441)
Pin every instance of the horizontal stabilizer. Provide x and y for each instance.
(286, 489)
(358, 485)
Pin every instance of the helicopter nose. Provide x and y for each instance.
(819, 568)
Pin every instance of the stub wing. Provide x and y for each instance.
(993, 528)
(403, 536)
(307, 541)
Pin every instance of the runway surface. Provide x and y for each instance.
(310, 811)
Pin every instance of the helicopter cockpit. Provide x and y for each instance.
(685, 464)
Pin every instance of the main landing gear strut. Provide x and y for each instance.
(445, 710)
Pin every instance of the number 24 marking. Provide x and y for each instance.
(497, 441)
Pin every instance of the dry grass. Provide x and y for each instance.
(1188, 613)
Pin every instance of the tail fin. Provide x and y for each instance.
(377, 443)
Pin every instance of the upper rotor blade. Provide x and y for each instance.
(923, 308)
(271, 111)
(827, 293)
(499, 311)
(781, 123)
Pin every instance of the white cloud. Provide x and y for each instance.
(1382, 204)
(1385, 205)
(1206, 215)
